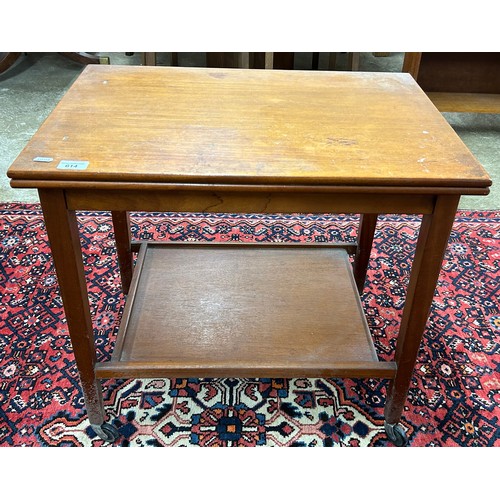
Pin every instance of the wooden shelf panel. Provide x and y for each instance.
(249, 311)
(465, 102)
(375, 369)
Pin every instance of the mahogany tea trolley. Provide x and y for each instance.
(127, 138)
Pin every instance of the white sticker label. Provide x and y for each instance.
(44, 159)
(72, 165)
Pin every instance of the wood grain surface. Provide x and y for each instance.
(244, 309)
(199, 125)
(465, 102)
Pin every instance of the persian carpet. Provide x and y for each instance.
(454, 398)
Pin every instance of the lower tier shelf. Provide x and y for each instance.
(216, 310)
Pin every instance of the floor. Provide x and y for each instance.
(31, 89)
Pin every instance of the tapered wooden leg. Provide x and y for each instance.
(315, 60)
(353, 61)
(64, 242)
(431, 246)
(149, 58)
(85, 58)
(332, 60)
(366, 230)
(121, 224)
(7, 59)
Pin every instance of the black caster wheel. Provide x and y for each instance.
(107, 432)
(396, 434)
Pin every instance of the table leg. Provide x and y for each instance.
(366, 230)
(121, 224)
(315, 60)
(7, 59)
(431, 246)
(149, 58)
(62, 230)
(353, 61)
(86, 57)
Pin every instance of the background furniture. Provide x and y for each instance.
(258, 60)
(458, 81)
(352, 60)
(7, 59)
(263, 60)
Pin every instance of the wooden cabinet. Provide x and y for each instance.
(458, 81)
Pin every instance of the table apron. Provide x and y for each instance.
(247, 202)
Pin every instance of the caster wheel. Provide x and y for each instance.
(396, 434)
(107, 432)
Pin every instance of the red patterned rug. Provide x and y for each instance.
(454, 398)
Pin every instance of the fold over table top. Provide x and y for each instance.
(246, 127)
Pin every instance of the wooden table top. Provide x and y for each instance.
(231, 126)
